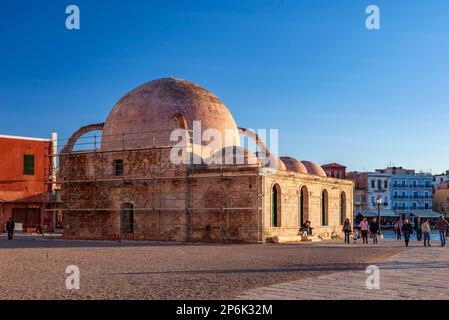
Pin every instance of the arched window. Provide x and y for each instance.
(325, 208)
(303, 205)
(342, 208)
(127, 219)
(276, 206)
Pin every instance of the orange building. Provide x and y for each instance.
(25, 164)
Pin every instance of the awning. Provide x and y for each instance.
(426, 214)
(383, 213)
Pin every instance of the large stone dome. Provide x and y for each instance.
(147, 115)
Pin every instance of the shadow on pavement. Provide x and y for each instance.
(300, 268)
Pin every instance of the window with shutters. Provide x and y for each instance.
(28, 164)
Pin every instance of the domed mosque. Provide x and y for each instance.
(171, 168)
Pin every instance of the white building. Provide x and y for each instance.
(439, 178)
(379, 186)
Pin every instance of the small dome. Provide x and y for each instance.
(272, 161)
(313, 168)
(148, 115)
(234, 155)
(294, 165)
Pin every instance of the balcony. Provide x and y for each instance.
(412, 197)
(411, 187)
(400, 197)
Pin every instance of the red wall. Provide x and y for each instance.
(11, 167)
(332, 171)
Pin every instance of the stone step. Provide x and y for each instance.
(294, 239)
(311, 239)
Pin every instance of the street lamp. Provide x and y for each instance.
(379, 202)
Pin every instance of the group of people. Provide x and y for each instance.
(423, 229)
(365, 228)
(405, 229)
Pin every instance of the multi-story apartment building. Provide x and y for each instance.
(412, 192)
(403, 193)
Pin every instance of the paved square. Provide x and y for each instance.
(34, 268)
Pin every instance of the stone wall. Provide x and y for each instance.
(170, 202)
(290, 185)
(223, 206)
(189, 203)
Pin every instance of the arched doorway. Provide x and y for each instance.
(303, 205)
(342, 208)
(325, 208)
(127, 219)
(276, 206)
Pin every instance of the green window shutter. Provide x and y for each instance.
(274, 207)
(28, 164)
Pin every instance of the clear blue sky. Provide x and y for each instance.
(336, 91)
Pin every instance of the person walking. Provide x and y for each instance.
(442, 226)
(10, 224)
(418, 229)
(374, 229)
(425, 227)
(407, 230)
(364, 227)
(347, 228)
(398, 228)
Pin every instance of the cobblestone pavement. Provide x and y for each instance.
(416, 273)
(34, 267)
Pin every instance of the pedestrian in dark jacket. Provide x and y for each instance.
(407, 230)
(418, 229)
(347, 228)
(10, 225)
(374, 229)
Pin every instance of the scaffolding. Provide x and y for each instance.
(151, 198)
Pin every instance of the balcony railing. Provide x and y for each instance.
(413, 197)
(411, 187)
